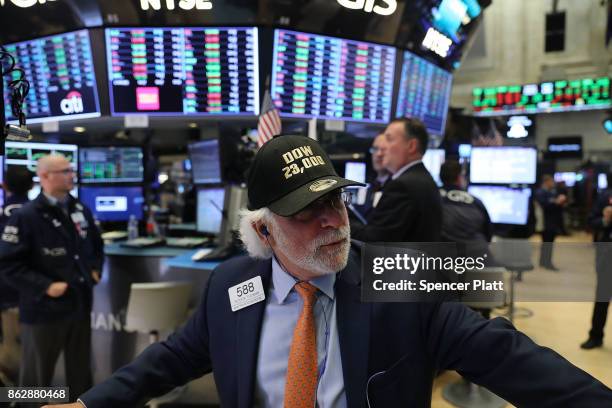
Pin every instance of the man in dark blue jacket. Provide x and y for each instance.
(51, 252)
(286, 326)
(601, 221)
(552, 204)
(17, 183)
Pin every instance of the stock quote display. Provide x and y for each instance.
(183, 71)
(557, 96)
(331, 78)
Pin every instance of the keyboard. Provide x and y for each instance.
(187, 242)
(143, 242)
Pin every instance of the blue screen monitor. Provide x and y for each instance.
(465, 151)
(569, 177)
(355, 171)
(316, 76)
(205, 162)
(210, 209)
(503, 165)
(424, 93)
(433, 160)
(602, 181)
(60, 70)
(113, 203)
(505, 205)
(111, 164)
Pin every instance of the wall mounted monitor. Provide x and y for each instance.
(61, 75)
(433, 160)
(565, 147)
(183, 71)
(113, 203)
(424, 93)
(205, 162)
(505, 205)
(503, 165)
(569, 177)
(27, 154)
(465, 151)
(355, 171)
(557, 96)
(331, 78)
(111, 164)
(209, 215)
(602, 181)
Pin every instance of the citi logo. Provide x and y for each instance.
(369, 7)
(72, 103)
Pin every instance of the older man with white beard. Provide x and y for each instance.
(285, 326)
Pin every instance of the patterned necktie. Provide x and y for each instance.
(301, 385)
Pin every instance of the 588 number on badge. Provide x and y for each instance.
(246, 293)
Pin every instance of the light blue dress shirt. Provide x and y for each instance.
(283, 308)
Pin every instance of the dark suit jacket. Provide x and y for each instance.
(553, 212)
(410, 210)
(390, 352)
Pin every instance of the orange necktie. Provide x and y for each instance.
(301, 385)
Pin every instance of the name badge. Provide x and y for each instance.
(376, 198)
(77, 217)
(246, 293)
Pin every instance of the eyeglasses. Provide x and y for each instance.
(65, 171)
(335, 200)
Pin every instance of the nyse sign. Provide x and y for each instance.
(171, 4)
(370, 6)
(23, 3)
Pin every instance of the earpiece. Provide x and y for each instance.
(264, 231)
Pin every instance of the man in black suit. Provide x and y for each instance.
(410, 209)
(285, 326)
(552, 204)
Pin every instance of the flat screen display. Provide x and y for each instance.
(111, 164)
(602, 181)
(61, 75)
(424, 93)
(433, 160)
(503, 165)
(569, 177)
(27, 154)
(505, 205)
(113, 203)
(355, 171)
(565, 146)
(205, 162)
(331, 78)
(465, 151)
(557, 96)
(210, 209)
(183, 71)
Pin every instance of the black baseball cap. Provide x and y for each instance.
(289, 172)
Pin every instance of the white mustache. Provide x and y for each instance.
(332, 236)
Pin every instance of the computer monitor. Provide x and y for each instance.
(205, 162)
(569, 177)
(210, 209)
(355, 171)
(602, 181)
(115, 203)
(433, 160)
(27, 154)
(505, 205)
(503, 165)
(111, 164)
(465, 151)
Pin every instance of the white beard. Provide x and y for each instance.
(314, 258)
